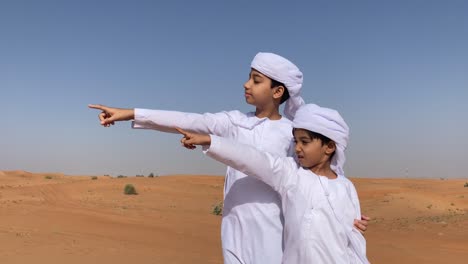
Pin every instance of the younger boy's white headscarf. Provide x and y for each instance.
(329, 123)
(284, 71)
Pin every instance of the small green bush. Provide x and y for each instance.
(94, 177)
(130, 189)
(466, 184)
(48, 177)
(218, 208)
(121, 176)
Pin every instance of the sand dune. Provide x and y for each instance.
(53, 218)
(424, 221)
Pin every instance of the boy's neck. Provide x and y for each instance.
(324, 169)
(270, 113)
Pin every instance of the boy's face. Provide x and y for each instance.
(311, 152)
(258, 91)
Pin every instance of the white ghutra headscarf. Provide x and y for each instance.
(327, 122)
(283, 71)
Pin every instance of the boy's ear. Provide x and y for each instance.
(331, 147)
(278, 92)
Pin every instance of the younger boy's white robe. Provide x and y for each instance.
(312, 231)
(251, 229)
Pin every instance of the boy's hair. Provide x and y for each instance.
(275, 83)
(313, 135)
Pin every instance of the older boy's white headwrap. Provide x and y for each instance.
(284, 71)
(329, 123)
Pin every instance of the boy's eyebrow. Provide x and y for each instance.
(304, 137)
(254, 74)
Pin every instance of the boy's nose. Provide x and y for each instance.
(297, 149)
(246, 85)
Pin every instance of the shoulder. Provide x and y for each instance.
(348, 184)
(238, 115)
(344, 181)
(243, 120)
(282, 127)
(234, 113)
(282, 123)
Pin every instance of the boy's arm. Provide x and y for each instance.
(358, 242)
(274, 171)
(361, 222)
(166, 121)
(354, 199)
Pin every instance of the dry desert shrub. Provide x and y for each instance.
(129, 189)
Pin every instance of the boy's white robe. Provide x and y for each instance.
(251, 229)
(312, 232)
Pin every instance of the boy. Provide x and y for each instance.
(250, 206)
(319, 203)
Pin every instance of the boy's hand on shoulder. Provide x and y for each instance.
(362, 224)
(189, 140)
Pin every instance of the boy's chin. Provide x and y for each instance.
(250, 102)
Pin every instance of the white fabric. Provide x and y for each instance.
(284, 71)
(329, 123)
(312, 233)
(251, 229)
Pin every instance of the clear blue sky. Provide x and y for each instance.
(396, 70)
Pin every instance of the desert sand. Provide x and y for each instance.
(53, 218)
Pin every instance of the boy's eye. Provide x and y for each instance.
(301, 142)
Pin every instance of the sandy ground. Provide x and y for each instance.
(52, 218)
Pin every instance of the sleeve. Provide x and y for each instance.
(278, 172)
(354, 199)
(166, 121)
(357, 240)
(358, 246)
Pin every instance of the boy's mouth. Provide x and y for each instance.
(300, 156)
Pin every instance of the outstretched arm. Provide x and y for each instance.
(166, 121)
(274, 171)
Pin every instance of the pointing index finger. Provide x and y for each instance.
(181, 131)
(100, 107)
